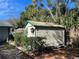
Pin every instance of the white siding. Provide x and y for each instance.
(29, 33)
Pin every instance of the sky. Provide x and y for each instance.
(13, 8)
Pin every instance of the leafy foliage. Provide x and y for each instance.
(17, 37)
(32, 13)
(41, 14)
(39, 44)
(20, 38)
(30, 44)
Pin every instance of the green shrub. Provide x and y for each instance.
(21, 39)
(25, 41)
(17, 38)
(30, 44)
(38, 43)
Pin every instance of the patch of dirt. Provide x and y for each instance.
(10, 52)
(51, 56)
(56, 54)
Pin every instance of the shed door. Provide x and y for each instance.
(52, 37)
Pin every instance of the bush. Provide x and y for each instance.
(39, 43)
(25, 41)
(30, 44)
(17, 38)
(21, 39)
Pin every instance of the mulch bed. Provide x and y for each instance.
(60, 53)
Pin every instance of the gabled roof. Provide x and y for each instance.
(48, 24)
(5, 24)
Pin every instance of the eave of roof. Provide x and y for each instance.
(5, 24)
(35, 23)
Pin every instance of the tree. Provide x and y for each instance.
(41, 3)
(32, 13)
(41, 14)
(28, 14)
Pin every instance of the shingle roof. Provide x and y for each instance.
(35, 23)
(5, 24)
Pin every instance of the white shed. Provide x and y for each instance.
(52, 34)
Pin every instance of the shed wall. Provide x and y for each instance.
(52, 37)
(4, 34)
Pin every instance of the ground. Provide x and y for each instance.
(10, 52)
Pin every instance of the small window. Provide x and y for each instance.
(32, 30)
